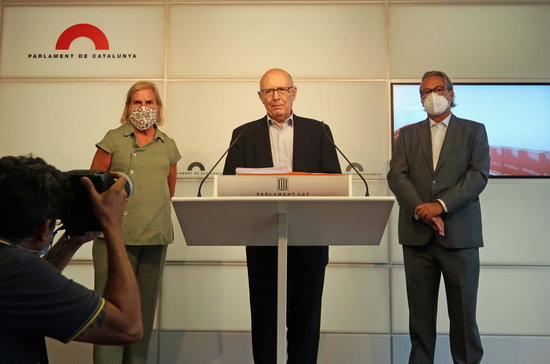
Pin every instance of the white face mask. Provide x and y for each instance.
(435, 104)
(143, 117)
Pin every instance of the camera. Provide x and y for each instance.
(78, 216)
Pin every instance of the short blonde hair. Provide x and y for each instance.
(138, 86)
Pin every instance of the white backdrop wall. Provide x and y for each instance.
(206, 58)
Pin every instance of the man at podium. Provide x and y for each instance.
(297, 144)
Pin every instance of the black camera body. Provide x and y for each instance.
(78, 216)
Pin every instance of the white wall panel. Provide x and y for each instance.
(31, 33)
(60, 353)
(360, 254)
(358, 123)
(497, 349)
(204, 298)
(356, 300)
(201, 297)
(515, 217)
(84, 254)
(203, 115)
(514, 301)
(519, 349)
(399, 309)
(82, 273)
(491, 41)
(235, 347)
(354, 349)
(205, 347)
(336, 41)
(511, 301)
(60, 122)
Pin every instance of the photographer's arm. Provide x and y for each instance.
(62, 252)
(120, 321)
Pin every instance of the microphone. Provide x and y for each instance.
(346, 158)
(219, 160)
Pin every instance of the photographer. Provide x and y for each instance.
(35, 299)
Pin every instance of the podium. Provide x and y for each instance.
(282, 221)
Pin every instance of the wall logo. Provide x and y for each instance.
(194, 169)
(196, 164)
(93, 33)
(89, 31)
(356, 165)
(359, 167)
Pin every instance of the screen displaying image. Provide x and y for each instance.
(516, 116)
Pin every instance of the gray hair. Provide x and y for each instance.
(448, 83)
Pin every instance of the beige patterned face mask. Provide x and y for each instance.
(143, 117)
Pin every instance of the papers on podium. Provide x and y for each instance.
(266, 170)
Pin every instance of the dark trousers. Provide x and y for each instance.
(460, 268)
(305, 278)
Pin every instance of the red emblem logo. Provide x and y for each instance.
(82, 30)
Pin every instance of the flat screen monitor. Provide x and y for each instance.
(516, 116)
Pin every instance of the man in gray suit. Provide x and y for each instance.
(438, 169)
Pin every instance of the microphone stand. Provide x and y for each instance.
(346, 158)
(215, 164)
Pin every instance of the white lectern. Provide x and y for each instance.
(283, 221)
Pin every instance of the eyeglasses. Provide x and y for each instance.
(280, 90)
(440, 90)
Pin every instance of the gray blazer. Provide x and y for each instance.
(460, 176)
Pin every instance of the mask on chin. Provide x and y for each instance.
(143, 117)
(435, 104)
(39, 253)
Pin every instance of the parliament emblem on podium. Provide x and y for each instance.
(282, 184)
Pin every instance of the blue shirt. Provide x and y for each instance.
(36, 300)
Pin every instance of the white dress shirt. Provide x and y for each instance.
(438, 137)
(439, 130)
(282, 140)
